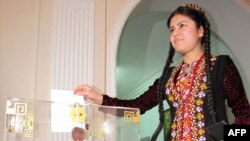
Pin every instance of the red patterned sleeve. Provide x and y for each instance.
(236, 95)
(144, 102)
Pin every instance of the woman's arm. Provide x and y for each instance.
(236, 95)
(144, 102)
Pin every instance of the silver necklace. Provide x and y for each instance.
(188, 69)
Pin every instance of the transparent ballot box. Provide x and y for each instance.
(29, 120)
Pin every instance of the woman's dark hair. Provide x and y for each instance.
(195, 13)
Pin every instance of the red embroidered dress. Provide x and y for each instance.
(187, 93)
(227, 85)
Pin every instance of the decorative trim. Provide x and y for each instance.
(73, 43)
(112, 47)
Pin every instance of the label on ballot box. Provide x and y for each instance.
(29, 120)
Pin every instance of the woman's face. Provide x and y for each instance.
(184, 34)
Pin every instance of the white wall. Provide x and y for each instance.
(24, 51)
(27, 39)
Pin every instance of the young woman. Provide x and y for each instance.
(196, 89)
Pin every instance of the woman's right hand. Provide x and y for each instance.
(89, 94)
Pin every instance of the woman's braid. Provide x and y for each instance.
(161, 89)
(209, 91)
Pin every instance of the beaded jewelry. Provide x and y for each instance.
(194, 7)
